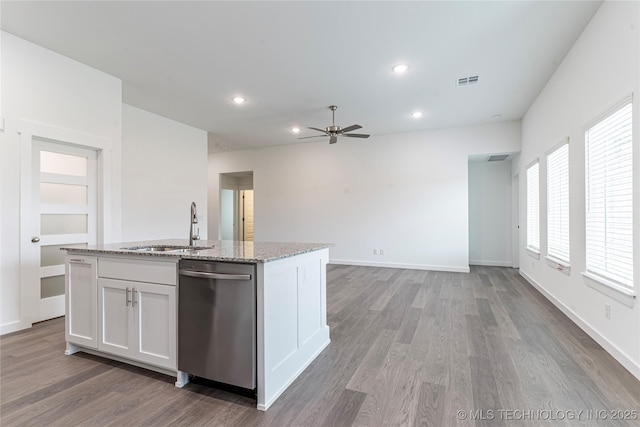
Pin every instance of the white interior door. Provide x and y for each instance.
(63, 213)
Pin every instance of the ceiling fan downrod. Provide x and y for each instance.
(333, 127)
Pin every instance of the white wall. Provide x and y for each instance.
(490, 240)
(164, 169)
(600, 70)
(403, 193)
(41, 86)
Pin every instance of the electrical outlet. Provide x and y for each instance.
(381, 251)
(607, 311)
(375, 252)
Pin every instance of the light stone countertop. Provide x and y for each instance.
(212, 250)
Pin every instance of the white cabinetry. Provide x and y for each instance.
(292, 320)
(81, 300)
(138, 321)
(123, 307)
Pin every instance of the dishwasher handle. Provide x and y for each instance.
(218, 276)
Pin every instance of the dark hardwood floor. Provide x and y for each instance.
(409, 348)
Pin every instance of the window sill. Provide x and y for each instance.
(556, 264)
(619, 293)
(533, 253)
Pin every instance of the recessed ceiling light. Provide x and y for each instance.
(416, 114)
(295, 129)
(239, 99)
(400, 68)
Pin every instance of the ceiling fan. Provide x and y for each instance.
(334, 131)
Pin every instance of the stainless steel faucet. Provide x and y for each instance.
(193, 236)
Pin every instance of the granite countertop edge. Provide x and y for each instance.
(211, 250)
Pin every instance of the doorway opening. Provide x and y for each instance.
(236, 206)
(490, 210)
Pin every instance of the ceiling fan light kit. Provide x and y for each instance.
(334, 131)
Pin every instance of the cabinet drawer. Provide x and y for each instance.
(138, 270)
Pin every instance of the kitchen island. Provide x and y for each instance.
(121, 303)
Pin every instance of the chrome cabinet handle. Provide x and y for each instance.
(133, 294)
(35, 239)
(76, 260)
(128, 298)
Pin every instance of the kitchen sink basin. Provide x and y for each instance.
(166, 248)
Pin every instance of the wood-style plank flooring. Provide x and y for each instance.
(408, 348)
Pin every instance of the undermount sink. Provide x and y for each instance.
(166, 248)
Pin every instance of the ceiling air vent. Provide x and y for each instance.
(497, 158)
(466, 81)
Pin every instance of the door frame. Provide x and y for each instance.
(515, 220)
(238, 182)
(27, 132)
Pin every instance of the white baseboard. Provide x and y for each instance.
(15, 326)
(491, 263)
(401, 265)
(609, 347)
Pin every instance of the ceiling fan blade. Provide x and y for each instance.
(314, 136)
(356, 135)
(320, 130)
(350, 128)
(333, 139)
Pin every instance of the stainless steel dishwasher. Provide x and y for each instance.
(217, 321)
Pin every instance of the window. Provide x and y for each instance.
(609, 197)
(558, 203)
(533, 208)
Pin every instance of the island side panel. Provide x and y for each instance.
(292, 324)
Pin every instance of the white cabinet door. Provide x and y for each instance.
(116, 317)
(138, 321)
(81, 300)
(155, 324)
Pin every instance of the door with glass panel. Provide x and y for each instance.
(63, 214)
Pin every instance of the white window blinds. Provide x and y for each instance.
(558, 203)
(533, 207)
(609, 197)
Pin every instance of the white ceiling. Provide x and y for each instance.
(185, 60)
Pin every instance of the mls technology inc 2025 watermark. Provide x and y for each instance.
(549, 414)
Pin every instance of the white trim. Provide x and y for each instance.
(622, 294)
(557, 145)
(609, 347)
(57, 135)
(29, 276)
(559, 265)
(491, 263)
(609, 111)
(533, 253)
(531, 163)
(529, 203)
(400, 265)
(74, 348)
(15, 326)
